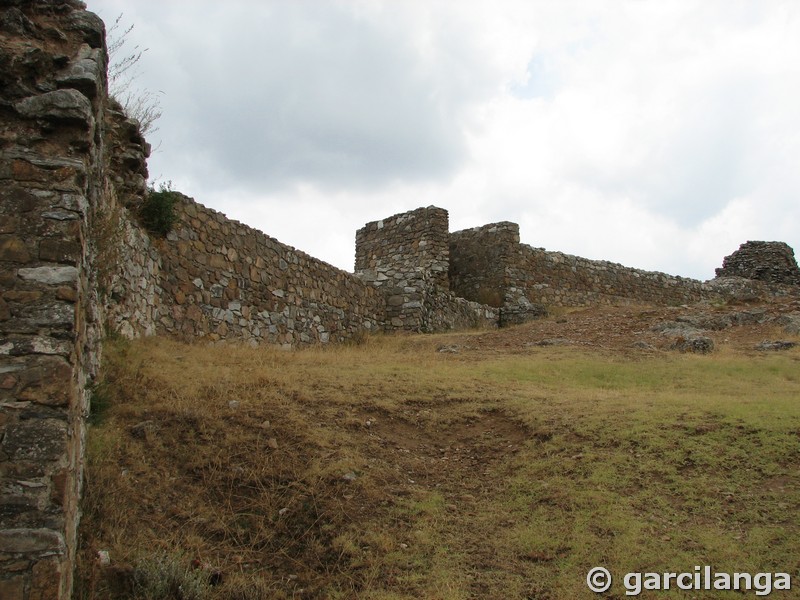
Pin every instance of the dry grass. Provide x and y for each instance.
(390, 470)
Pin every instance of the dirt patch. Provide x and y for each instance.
(444, 454)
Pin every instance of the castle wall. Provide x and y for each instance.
(75, 263)
(488, 264)
(479, 260)
(220, 279)
(406, 256)
(53, 85)
(557, 279)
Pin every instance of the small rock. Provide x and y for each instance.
(103, 558)
(448, 349)
(697, 345)
(283, 511)
(552, 342)
(791, 323)
(144, 429)
(349, 476)
(768, 345)
(265, 425)
(643, 345)
(233, 404)
(272, 443)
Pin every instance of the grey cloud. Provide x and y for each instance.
(309, 92)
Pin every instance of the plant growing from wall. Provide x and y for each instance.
(141, 104)
(157, 212)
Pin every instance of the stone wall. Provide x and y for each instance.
(220, 279)
(479, 260)
(772, 262)
(52, 77)
(406, 256)
(75, 262)
(489, 264)
(557, 279)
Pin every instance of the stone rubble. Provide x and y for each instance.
(772, 262)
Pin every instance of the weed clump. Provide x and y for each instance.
(166, 577)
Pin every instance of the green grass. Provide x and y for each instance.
(477, 476)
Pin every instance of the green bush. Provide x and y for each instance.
(157, 212)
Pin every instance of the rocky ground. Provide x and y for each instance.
(763, 325)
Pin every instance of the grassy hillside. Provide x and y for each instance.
(395, 470)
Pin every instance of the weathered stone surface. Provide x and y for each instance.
(60, 251)
(20, 346)
(52, 160)
(36, 439)
(14, 21)
(5, 311)
(65, 105)
(9, 223)
(791, 323)
(22, 296)
(55, 316)
(12, 588)
(775, 345)
(50, 275)
(46, 580)
(697, 344)
(773, 262)
(88, 25)
(84, 73)
(13, 249)
(22, 541)
(43, 381)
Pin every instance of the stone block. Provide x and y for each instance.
(50, 275)
(67, 294)
(12, 588)
(46, 381)
(39, 440)
(60, 105)
(28, 541)
(46, 580)
(83, 73)
(59, 251)
(13, 249)
(8, 223)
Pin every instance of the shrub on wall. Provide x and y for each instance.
(157, 212)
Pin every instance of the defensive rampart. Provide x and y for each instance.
(406, 256)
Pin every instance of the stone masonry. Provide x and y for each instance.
(52, 77)
(220, 279)
(406, 256)
(772, 262)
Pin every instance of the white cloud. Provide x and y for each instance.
(656, 134)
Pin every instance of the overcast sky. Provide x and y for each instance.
(658, 134)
